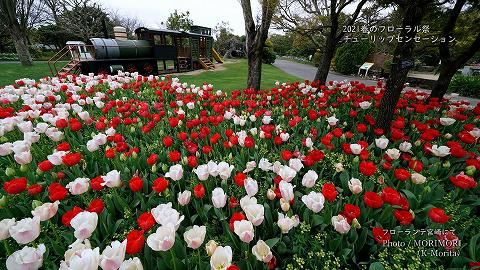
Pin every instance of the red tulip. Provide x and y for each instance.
(71, 159)
(372, 200)
(135, 242)
(437, 215)
(160, 184)
(57, 192)
(15, 186)
(135, 184)
(381, 236)
(199, 191)
(329, 191)
(146, 221)
(96, 205)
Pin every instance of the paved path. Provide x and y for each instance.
(307, 72)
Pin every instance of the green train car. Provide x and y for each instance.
(155, 51)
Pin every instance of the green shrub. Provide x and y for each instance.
(268, 55)
(350, 55)
(465, 85)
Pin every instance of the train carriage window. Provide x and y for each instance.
(168, 40)
(157, 39)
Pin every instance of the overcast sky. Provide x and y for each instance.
(203, 12)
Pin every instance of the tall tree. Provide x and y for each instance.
(311, 18)
(453, 58)
(413, 12)
(256, 37)
(179, 21)
(17, 17)
(84, 18)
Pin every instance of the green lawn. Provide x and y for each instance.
(14, 71)
(233, 77)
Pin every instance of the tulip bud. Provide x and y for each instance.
(446, 164)
(164, 167)
(3, 139)
(285, 205)
(356, 159)
(10, 171)
(154, 168)
(381, 180)
(470, 170)
(36, 204)
(3, 201)
(123, 157)
(184, 160)
(140, 124)
(356, 224)
(448, 136)
(134, 155)
(271, 194)
(39, 172)
(418, 143)
(132, 129)
(24, 168)
(427, 189)
(211, 246)
(339, 167)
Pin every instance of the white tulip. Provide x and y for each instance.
(247, 200)
(163, 239)
(28, 258)
(332, 120)
(250, 166)
(393, 153)
(224, 170)
(447, 121)
(84, 224)
(262, 251)
(286, 189)
(175, 172)
(23, 158)
(213, 168)
(25, 230)
(255, 213)
(78, 186)
(244, 230)
(6, 149)
(222, 258)
(113, 255)
(309, 179)
(85, 259)
(356, 148)
(314, 201)
(418, 179)
(165, 215)
(46, 211)
(56, 158)
(381, 143)
(184, 197)
(202, 172)
(296, 164)
(287, 223)
(355, 186)
(219, 198)
(112, 179)
(405, 147)
(364, 105)
(440, 151)
(251, 186)
(340, 224)
(5, 225)
(265, 165)
(195, 236)
(287, 173)
(132, 264)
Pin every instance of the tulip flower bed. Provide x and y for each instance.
(132, 172)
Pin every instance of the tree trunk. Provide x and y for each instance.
(324, 67)
(402, 63)
(20, 42)
(254, 69)
(447, 71)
